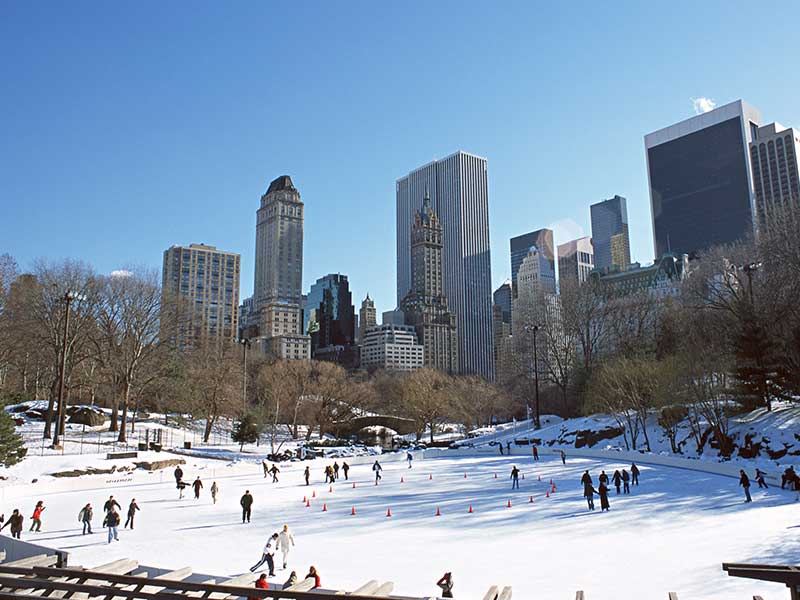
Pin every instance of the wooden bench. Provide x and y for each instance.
(114, 455)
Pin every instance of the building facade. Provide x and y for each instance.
(575, 260)
(774, 162)
(330, 319)
(277, 292)
(391, 347)
(700, 177)
(661, 279)
(367, 317)
(501, 317)
(542, 239)
(458, 190)
(200, 288)
(425, 306)
(610, 237)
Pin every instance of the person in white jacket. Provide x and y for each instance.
(266, 556)
(285, 543)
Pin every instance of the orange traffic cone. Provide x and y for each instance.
(553, 489)
(305, 499)
(470, 509)
(313, 494)
(438, 514)
(430, 476)
(388, 512)
(402, 480)
(308, 503)
(547, 494)
(353, 510)
(531, 500)
(509, 504)
(324, 508)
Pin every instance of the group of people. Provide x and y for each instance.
(789, 478)
(16, 522)
(622, 480)
(273, 470)
(332, 472)
(263, 584)
(196, 485)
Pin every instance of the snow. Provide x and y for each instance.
(671, 534)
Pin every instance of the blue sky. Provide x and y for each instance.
(127, 127)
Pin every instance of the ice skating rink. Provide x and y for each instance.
(671, 534)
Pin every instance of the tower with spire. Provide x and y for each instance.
(367, 318)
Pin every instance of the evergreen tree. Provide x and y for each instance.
(12, 448)
(757, 368)
(245, 431)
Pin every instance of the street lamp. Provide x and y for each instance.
(535, 329)
(68, 298)
(245, 345)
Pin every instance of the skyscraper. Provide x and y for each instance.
(542, 240)
(200, 287)
(700, 176)
(610, 233)
(458, 190)
(774, 160)
(330, 318)
(575, 260)
(502, 299)
(279, 272)
(425, 306)
(501, 315)
(367, 317)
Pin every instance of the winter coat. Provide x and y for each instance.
(625, 476)
(345, 467)
(113, 519)
(132, 508)
(315, 577)
(603, 478)
(85, 515)
(603, 493)
(586, 479)
(744, 480)
(634, 469)
(617, 478)
(15, 522)
(110, 504)
(291, 581)
(261, 584)
(37, 512)
(515, 473)
(270, 546)
(285, 540)
(588, 490)
(197, 485)
(246, 501)
(377, 467)
(178, 474)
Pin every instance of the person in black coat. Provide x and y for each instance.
(603, 477)
(178, 473)
(626, 488)
(634, 474)
(247, 504)
(617, 478)
(586, 479)
(760, 479)
(132, 508)
(307, 474)
(514, 478)
(15, 521)
(744, 481)
(588, 493)
(603, 493)
(197, 486)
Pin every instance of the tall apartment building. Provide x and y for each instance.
(330, 320)
(501, 317)
(542, 239)
(277, 293)
(367, 317)
(575, 260)
(200, 288)
(531, 288)
(458, 189)
(425, 306)
(701, 183)
(391, 347)
(774, 161)
(610, 235)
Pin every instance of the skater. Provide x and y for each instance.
(617, 479)
(181, 486)
(563, 458)
(603, 493)
(626, 488)
(760, 479)
(409, 458)
(132, 508)
(515, 478)
(377, 468)
(790, 478)
(291, 581)
(246, 502)
(214, 492)
(265, 466)
(112, 520)
(634, 474)
(15, 521)
(285, 543)
(85, 517)
(307, 474)
(274, 472)
(36, 517)
(110, 503)
(197, 486)
(535, 453)
(335, 471)
(603, 477)
(446, 584)
(588, 493)
(261, 584)
(345, 469)
(312, 574)
(744, 481)
(178, 473)
(508, 448)
(267, 555)
(586, 479)
(328, 474)
(501, 448)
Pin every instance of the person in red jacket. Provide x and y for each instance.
(37, 516)
(312, 574)
(261, 584)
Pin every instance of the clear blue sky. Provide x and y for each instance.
(130, 126)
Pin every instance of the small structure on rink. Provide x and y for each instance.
(786, 574)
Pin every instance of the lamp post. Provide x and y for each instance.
(245, 344)
(536, 376)
(68, 298)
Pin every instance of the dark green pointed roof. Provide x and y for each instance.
(284, 182)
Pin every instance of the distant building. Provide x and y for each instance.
(661, 279)
(774, 160)
(501, 314)
(575, 260)
(534, 284)
(367, 317)
(425, 306)
(200, 288)
(393, 317)
(330, 320)
(542, 239)
(610, 237)
(502, 299)
(391, 347)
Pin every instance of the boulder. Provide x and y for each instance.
(589, 438)
(155, 465)
(35, 414)
(85, 415)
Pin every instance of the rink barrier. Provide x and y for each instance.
(15, 550)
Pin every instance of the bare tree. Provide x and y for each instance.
(213, 375)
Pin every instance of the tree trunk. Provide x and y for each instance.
(123, 429)
(210, 419)
(49, 416)
(114, 415)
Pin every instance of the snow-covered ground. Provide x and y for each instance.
(671, 534)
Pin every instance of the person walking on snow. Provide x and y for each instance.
(85, 517)
(307, 474)
(345, 469)
(760, 479)
(132, 508)
(285, 543)
(446, 585)
(178, 473)
(603, 477)
(744, 481)
(409, 458)
(261, 584)
(508, 448)
(108, 506)
(112, 519)
(588, 493)
(274, 472)
(197, 486)
(617, 479)
(586, 479)
(328, 474)
(37, 516)
(514, 478)
(634, 474)
(267, 555)
(265, 466)
(15, 521)
(535, 453)
(501, 448)
(626, 488)
(603, 493)
(246, 502)
(335, 471)
(377, 468)
(214, 492)
(563, 458)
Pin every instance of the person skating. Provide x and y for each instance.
(446, 585)
(265, 466)
(246, 503)
(588, 493)
(617, 479)
(274, 472)
(214, 492)
(261, 584)
(112, 520)
(335, 470)
(789, 477)
(85, 517)
(291, 581)
(508, 448)
(36, 517)
(267, 555)
(603, 477)
(563, 458)
(634, 474)
(501, 448)
(307, 474)
(602, 491)
(15, 522)
(197, 485)
(409, 459)
(181, 486)
(345, 469)
(515, 478)
(132, 508)
(285, 543)
(744, 481)
(312, 574)
(377, 468)
(626, 488)
(586, 479)
(535, 453)
(328, 474)
(110, 503)
(760, 479)
(178, 473)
